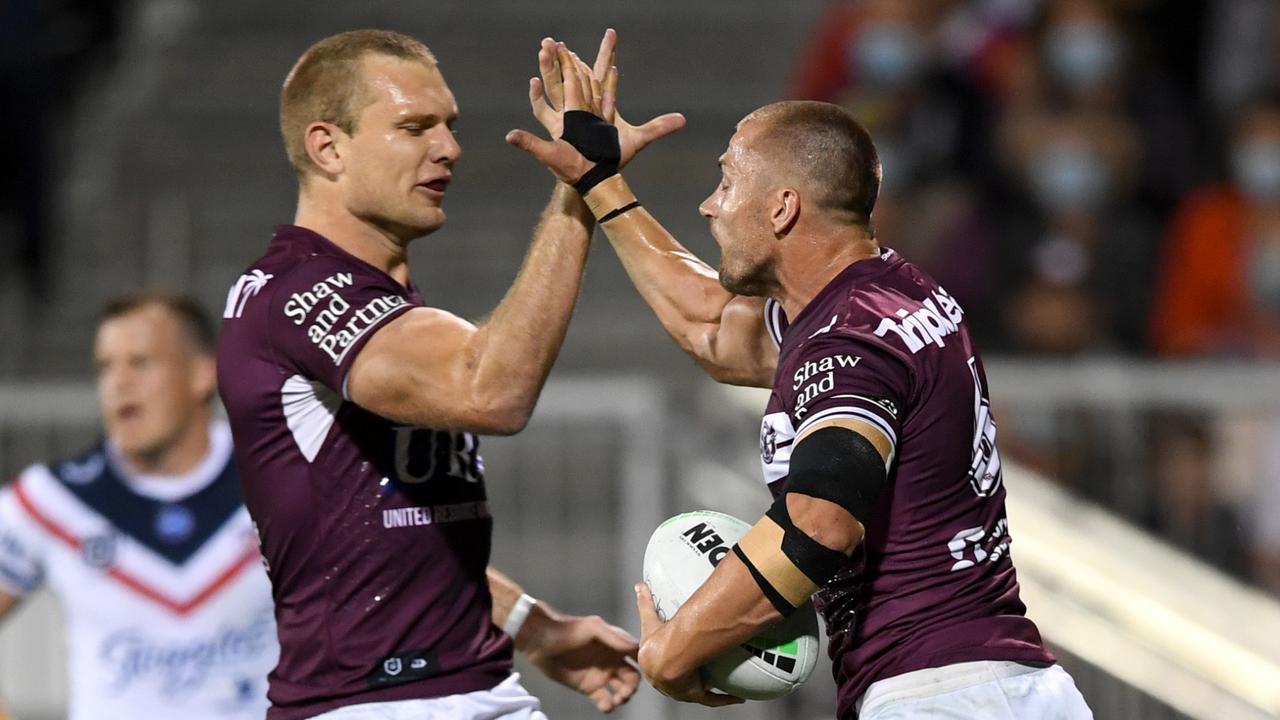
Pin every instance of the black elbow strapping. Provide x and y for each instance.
(837, 465)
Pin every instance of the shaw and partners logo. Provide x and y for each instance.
(817, 377)
(334, 327)
(936, 318)
(249, 285)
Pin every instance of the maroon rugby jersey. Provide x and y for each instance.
(376, 535)
(932, 584)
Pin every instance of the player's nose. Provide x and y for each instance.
(706, 209)
(446, 149)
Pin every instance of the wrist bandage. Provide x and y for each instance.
(519, 613)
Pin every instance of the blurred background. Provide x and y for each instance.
(1096, 181)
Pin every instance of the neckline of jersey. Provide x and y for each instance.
(856, 270)
(294, 233)
(176, 488)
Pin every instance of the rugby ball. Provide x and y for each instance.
(679, 558)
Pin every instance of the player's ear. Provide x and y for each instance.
(204, 376)
(323, 143)
(786, 210)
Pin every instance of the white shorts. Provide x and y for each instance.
(506, 701)
(986, 690)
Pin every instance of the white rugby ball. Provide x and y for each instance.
(679, 558)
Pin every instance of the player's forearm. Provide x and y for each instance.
(727, 610)
(683, 291)
(513, 351)
(505, 593)
(532, 627)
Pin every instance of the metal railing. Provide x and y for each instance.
(1150, 633)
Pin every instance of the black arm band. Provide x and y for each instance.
(597, 140)
(838, 465)
(615, 213)
(833, 464)
(771, 594)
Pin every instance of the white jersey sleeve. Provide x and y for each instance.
(23, 544)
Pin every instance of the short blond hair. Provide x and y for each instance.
(327, 85)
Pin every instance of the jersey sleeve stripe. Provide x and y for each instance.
(855, 414)
(850, 412)
(20, 492)
(773, 321)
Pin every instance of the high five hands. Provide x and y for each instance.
(568, 84)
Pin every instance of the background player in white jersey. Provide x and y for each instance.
(877, 443)
(144, 539)
(355, 407)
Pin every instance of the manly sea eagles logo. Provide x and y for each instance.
(768, 442)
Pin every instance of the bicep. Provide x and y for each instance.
(415, 370)
(739, 350)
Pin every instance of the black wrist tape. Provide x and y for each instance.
(597, 140)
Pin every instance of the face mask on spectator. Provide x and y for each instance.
(1067, 178)
(1083, 56)
(887, 56)
(1257, 169)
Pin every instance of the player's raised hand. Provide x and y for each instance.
(585, 140)
(632, 138)
(587, 654)
(687, 688)
(546, 95)
(547, 91)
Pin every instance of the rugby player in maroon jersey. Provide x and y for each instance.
(878, 443)
(355, 409)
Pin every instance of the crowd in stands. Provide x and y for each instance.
(1089, 177)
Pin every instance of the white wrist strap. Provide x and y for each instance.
(519, 613)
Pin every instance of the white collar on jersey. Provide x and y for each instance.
(169, 488)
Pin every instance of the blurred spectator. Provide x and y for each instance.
(1240, 55)
(1074, 249)
(987, 41)
(1185, 507)
(881, 60)
(1093, 62)
(1219, 288)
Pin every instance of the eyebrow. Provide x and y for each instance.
(425, 119)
